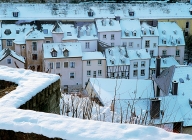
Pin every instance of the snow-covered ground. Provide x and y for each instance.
(52, 125)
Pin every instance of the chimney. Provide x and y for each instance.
(155, 108)
(158, 66)
(174, 87)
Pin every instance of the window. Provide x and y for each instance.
(99, 72)
(134, 33)
(147, 42)
(9, 42)
(45, 31)
(142, 72)
(153, 72)
(164, 52)
(135, 73)
(124, 44)
(142, 63)
(65, 88)
(187, 25)
(34, 46)
(99, 62)
(151, 53)
(88, 62)
(15, 14)
(112, 74)
(17, 31)
(122, 74)
(86, 45)
(186, 33)
(112, 37)
(137, 45)
(47, 41)
(34, 56)
(154, 45)
(65, 64)
(72, 75)
(51, 65)
(7, 31)
(23, 47)
(135, 64)
(69, 34)
(57, 65)
(177, 52)
(104, 36)
(54, 53)
(112, 44)
(164, 41)
(88, 73)
(130, 44)
(72, 64)
(94, 74)
(8, 61)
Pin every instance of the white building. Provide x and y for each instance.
(130, 35)
(94, 66)
(109, 31)
(149, 37)
(117, 62)
(171, 41)
(139, 64)
(64, 59)
(10, 58)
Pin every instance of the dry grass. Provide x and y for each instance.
(5, 91)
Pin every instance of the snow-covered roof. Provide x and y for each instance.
(92, 56)
(29, 84)
(165, 62)
(34, 34)
(138, 93)
(8, 52)
(63, 11)
(128, 30)
(108, 25)
(70, 33)
(147, 30)
(170, 34)
(116, 56)
(138, 54)
(73, 48)
(184, 91)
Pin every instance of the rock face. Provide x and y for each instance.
(45, 101)
(6, 87)
(11, 135)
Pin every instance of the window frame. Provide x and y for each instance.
(112, 37)
(72, 64)
(135, 73)
(142, 63)
(51, 65)
(9, 61)
(88, 72)
(135, 64)
(34, 57)
(164, 51)
(177, 53)
(99, 62)
(104, 36)
(99, 72)
(142, 72)
(34, 47)
(56, 66)
(72, 76)
(66, 63)
(147, 43)
(87, 45)
(88, 62)
(9, 42)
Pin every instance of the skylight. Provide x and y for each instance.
(69, 34)
(45, 31)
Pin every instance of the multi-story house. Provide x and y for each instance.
(130, 35)
(64, 59)
(109, 31)
(117, 62)
(10, 58)
(149, 37)
(139, 64)
(171, 41)
(94, 66)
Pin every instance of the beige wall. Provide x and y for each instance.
(57, 37)
(29, 52)
(187, 130)
(4, 44)
(13, 60)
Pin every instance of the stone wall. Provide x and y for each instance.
(11, 135)
(5, 84)
(45, 101)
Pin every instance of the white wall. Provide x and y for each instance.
(116, 41)
(13, 60)
(93, 67)
(139, 68)
(92, 45)
(136, 43)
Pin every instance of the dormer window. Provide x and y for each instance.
(53, 53)
(164, 32)
(7, 32)
(66, 53)
(178, 41)
(126, 33)
(45, 31)
(15, 14)
(17, 31)
(134, 33)
(69, 34)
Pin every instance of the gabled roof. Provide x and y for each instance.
(165, 62)
(34, 34)
(138, 54)
(115, 54)
(93, 56)
(73, 48)
(57, 28)
(108, 25)
(171, 33)
(148, 30)
(8, 52)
